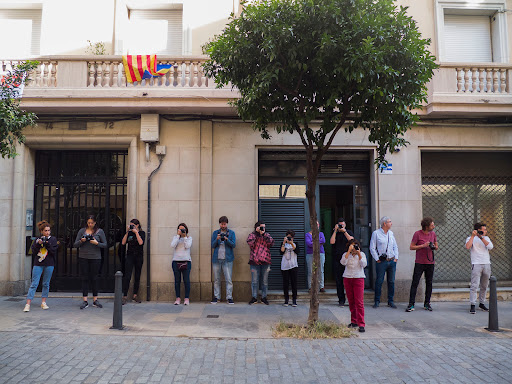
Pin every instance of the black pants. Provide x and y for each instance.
(429, 276)
(89, 269)
(340, 289)
(132, 261)
(290, 276)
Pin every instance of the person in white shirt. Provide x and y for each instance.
(353, 279)
(289, 266)
(384, 251)
(479, 246)
(181, 262)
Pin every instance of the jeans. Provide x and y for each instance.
(429, 276)
(258, 272)
(388, 268)
(480, 275)
(89, 269)
(177, 278)
(130, 262)
(227, 270)
(37, 271)
(309, 261)
(355, 295)
(340, 289)
(290, 276)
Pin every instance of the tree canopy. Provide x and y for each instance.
(12, 119)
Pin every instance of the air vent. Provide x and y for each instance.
(77, 125)
(331, 168)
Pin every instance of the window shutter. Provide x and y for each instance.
(467, 39)
(156, 31)
(21, 33)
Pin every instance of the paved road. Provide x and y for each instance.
(66, 345)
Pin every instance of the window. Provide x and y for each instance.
(157, 31)
(472, 32)
(23, 28)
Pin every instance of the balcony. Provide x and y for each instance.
(470, 90)
(97, 84)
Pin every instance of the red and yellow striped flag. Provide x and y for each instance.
(138, 67)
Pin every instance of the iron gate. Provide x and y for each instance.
(458, 190)
(69, 186)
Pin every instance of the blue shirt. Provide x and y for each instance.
(229, 242)
(381, 243)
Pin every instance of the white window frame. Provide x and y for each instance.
(35, 49)
(494, 8)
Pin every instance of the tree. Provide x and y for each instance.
(313, 67)
(12, 119)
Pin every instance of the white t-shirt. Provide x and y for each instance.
(354, 268)
(480, 252)
(289, 259)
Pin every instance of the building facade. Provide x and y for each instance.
(100, 138)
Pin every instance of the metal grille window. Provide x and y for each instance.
(458, 190)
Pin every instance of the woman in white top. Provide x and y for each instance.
(353, 279)
(289, 266)
(181, 262)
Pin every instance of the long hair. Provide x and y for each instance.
(93, 218)
(136, 222)
(183, 225)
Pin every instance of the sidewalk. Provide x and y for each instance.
(241, 321)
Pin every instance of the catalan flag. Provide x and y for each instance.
(138, 67)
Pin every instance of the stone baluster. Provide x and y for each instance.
(195, 75)
(179, 80)
(92, 73)
(115, 74)
(488, 71)
(106, 74)
(99, 73)
(460, 79)
(503, 78)
(124, 82)
(466, 79)
(187, 74)
(203, 77)
(482, 80)
(496, 80)
(37, 79)
(53, 74)
(45, 74)
(474, 79)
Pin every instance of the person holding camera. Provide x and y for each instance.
(135, 238)
(384, 250)
(479, 245)
(289, 266)
(340, 237)
(90, 240)
(44, 249)
(424, 242)
(309, 257)
(223, 243)
(181, 262)
(259, 242)
(354, 261)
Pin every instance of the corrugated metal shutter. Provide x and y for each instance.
(467, 38)
(20, 30)
(279, 216)
(144, 39)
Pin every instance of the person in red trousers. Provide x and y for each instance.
(353, 279)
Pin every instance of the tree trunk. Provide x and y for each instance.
(311, 195)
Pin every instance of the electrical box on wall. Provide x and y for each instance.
(160, 150)
(149, 127)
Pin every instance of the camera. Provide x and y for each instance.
(262, 229)
(356, 247)
(88, 237)
(44, 239)
(289, 238)
(182, 230)
(132, 226)
(480, 232)
(223, 236)
(383, 257)
(432, 246)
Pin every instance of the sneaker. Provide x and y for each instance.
(341, 303)
(376, 305)
(214, 301)
(483, 307)
(230, 301)
(410, 308)
(322, 290)
(392, 305)
(97, 304)
(264, 300)
(186, 302)
(44, 305)
(361, 329)
(427, 307)
(472, 310)
(352, 325)
(84, 305)
(253, 300)
(137, 299)
(285, 304)
(177, 301)
(27, 308)
(294, 304)
(125, 300)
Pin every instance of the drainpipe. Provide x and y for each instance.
(148, 241)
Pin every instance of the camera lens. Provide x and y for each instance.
(480, 232)
(132, 226)
(289, 238)
(262, 228)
